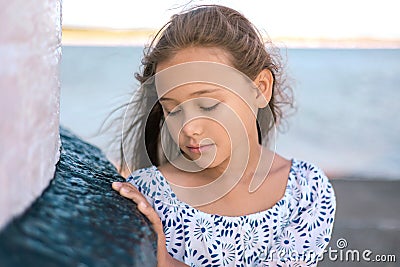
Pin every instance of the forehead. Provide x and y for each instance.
(193, 90)
(195, 69)
(197, 77)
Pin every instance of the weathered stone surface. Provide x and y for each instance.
(79, 220)
(30, 54)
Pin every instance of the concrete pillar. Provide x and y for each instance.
(30, 52)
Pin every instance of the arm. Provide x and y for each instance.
(164, 259)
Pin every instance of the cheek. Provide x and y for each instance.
(215, 128)
(237, 124)
(246, 116)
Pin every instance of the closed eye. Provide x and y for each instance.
(172, 113)
(175, 111)
(210, 108)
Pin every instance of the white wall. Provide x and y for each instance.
(30, 52)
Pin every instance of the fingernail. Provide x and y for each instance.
(143, 205)
(117, 184)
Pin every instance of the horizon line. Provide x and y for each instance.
(86, 36)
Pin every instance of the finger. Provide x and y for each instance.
(132, 193)
(152, 215)
(129, 191)
(118, 185)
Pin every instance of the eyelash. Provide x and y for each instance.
(210, 108)
(203, 108)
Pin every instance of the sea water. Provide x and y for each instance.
(347, 120)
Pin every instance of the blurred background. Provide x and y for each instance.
(342, 56)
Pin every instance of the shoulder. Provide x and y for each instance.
(142, 174)
(313, 207)
(305, 172)
(148, 181)
(308, 182)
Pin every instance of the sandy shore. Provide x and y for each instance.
(368, 218)
(135, 37)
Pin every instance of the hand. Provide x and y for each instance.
(127, 190)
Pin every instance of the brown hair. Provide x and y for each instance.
(210, 26)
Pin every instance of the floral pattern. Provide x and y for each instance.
(294, 232)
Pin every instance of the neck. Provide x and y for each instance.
(243, 162)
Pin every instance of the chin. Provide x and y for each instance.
(203, 164)
(207, 165)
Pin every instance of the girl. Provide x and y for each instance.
(199, 138)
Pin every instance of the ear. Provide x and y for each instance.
(264, 82)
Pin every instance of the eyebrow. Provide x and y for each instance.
(201, 92)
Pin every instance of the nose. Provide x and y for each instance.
(192, 127)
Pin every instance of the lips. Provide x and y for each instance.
(199, 148)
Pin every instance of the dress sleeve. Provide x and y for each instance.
(307, 233)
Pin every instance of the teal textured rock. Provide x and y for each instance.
(79, 220)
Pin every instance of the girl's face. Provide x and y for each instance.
(208, 121)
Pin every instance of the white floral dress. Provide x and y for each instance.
(294, 232)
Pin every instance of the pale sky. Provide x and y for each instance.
(282, 18)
